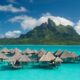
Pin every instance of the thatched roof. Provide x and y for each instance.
(2, 56)
(16, 50)
(58, 52)
(4, 50)
(14, 58)
(41, 52)
(24, 58)
(74, 54)
(67, 54)
(17, 56)
(58, 59)
(11, 59)
(35, 51)
(47, 57)
(27, 51)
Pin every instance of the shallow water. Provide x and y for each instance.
(63, 72)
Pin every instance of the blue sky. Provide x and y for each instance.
(33, 10)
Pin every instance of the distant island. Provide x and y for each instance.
(47, 33)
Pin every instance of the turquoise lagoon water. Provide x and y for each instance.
(53, 48)
(63, 72)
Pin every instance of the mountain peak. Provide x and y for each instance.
(49, 31)
(51, 22)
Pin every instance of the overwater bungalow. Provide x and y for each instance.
(15, 65)
(41, 53)
(24, 58)
(14, 62)
(58, 53)
(33, 54)
(18, 58)
(5, 51)
(25, 61)
(13, 59)
(16, 50)
(3, 57)
(47, 60)
(58, 60)
(37, 58)
(34, 57)
(27, 52)
(68, 56)
(35, 51)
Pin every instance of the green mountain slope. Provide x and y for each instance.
(47, 33)
(50, 33)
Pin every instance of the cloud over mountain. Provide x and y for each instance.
(28, 23)
(57, 19)
(77, 27)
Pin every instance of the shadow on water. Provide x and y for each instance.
(44, 68)
(7, 68)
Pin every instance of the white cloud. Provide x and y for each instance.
(57, 19)
(28, 23)
(11, 8)
(19, 18)
(12, 34)
(77, 27)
